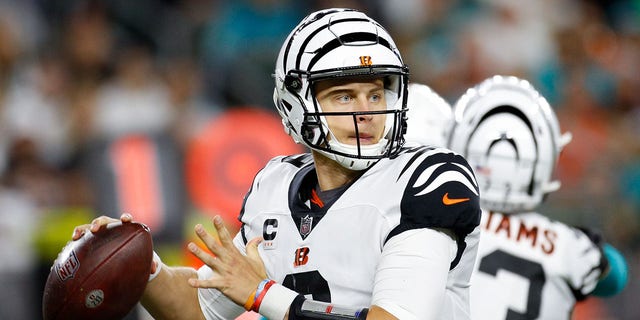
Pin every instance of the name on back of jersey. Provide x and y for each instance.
(516, 230)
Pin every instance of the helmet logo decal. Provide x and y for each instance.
(365, 61)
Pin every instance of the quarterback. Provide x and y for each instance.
(359, 228)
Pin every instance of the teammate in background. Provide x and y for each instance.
(358, 228)
(430, 116)
(529, 266)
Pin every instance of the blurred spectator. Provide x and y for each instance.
(18, 222)
(23, 27)
(238, 49)
(35, 108)
(135, 100)
(87, 40)
(24, 91)
(185, 88)
(27, 189)
(519, 26)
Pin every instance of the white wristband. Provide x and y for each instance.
(276, 302)
(156, 259)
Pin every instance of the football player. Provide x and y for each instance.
(360, 227)
(529, 266)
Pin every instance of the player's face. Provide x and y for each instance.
(353, 95)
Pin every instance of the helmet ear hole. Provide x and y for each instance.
(293, 83)
(313, 133)
(308, 133)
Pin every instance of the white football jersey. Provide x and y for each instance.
(333, 256)
(531, 267)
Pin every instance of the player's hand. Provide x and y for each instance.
(97, 224)
(236, 275)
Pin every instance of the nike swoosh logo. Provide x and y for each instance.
(451, 201)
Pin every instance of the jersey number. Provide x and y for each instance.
(310, 282)
(530, 270)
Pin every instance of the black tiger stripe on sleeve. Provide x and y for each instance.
(441, 193)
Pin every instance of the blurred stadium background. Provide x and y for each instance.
(162, 108)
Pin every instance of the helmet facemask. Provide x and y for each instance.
(317, 133)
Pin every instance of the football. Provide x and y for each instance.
(102, 275)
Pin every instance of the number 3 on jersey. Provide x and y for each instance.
(530, 270)
(307, 283)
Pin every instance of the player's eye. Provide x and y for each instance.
(343, 98)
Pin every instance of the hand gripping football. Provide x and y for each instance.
(101, 275)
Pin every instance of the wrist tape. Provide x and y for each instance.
(303, 309)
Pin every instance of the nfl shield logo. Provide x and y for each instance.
(305, 225)
(67, 268)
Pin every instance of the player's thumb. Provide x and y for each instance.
(252, 248)
(254, 255)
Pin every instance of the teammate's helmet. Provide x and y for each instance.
(429, 117)
(511, 137)
(329, 44)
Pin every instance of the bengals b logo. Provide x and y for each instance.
(365, 61)
(301, 257)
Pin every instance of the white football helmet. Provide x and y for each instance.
(511, 137)
(429, 117)
(334, 43)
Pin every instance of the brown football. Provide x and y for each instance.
(101, 275)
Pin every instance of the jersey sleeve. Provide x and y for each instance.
(442, 192)
(411, 278)
(586, 260)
